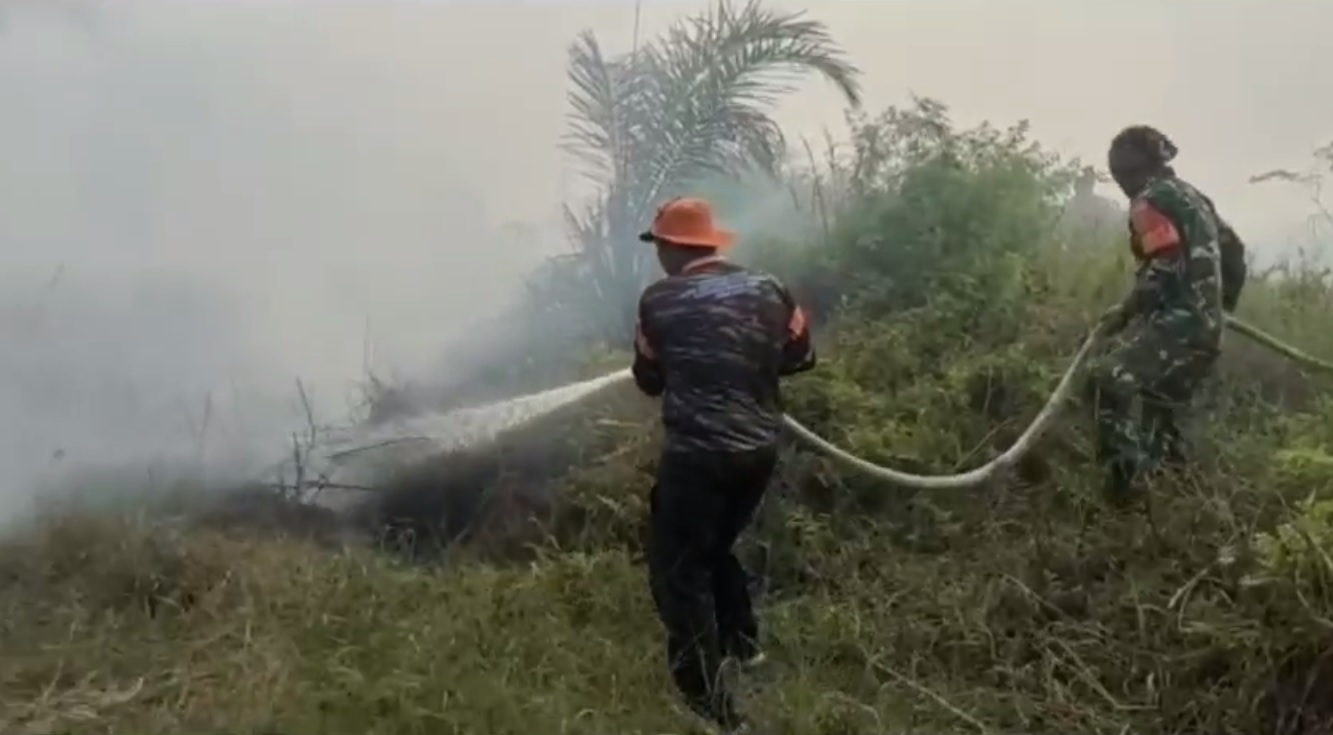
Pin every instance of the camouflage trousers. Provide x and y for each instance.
(1160, 372)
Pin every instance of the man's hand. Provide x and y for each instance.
(1114, 319)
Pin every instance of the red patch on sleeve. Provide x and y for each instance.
(1157, 233)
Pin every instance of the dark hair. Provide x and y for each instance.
(1144, 143)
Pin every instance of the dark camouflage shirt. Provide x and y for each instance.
(1191, 263)
(713, 342)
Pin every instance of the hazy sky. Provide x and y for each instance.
(240, 192)
(1237, 83)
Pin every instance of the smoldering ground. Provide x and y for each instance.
(202, 207)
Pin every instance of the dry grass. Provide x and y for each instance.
(201, 633)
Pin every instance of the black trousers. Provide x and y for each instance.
(699, 506)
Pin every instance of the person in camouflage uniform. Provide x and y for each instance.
(712, 340)
(1191, 269)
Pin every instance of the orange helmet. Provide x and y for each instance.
(688, 221)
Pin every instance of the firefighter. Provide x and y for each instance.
(713, 338)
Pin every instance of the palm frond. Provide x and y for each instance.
(596, 129)
(695, 102)
(716, 78)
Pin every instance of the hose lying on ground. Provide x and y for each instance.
(1034, 430)
(971, 477)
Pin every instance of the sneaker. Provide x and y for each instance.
(746, 652)
(755, 658)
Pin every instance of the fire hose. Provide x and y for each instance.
(1034, 431)
(971, 478)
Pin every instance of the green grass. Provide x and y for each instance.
(1027, 607)
(204, 634)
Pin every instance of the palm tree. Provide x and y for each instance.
(693, 103)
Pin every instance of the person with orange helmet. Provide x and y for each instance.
(712, 340)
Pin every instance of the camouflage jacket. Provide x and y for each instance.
(713, 342)
(1191, 263)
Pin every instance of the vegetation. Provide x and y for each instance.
(946, 306)
(652, 123)
(691, 105)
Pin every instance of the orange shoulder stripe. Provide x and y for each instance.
(1157, 233)
(797, 324)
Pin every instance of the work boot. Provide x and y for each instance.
(1165, 447)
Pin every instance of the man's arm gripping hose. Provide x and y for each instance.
(1034, 430)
